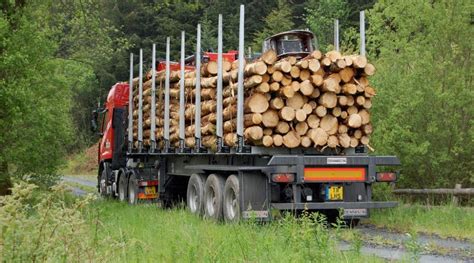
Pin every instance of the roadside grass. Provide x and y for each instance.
(148, 233)
(82, 164)
(448, 221)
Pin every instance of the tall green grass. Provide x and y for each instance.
(445, 221)
(147, 233)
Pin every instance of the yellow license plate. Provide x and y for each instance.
(150, 190)
(334, 193)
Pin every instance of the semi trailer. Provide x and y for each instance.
(229, 183)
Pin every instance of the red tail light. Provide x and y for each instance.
(148, 183)
(386, 177)
(283, 178)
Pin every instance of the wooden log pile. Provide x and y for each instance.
(322, 100)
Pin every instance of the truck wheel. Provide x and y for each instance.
(103, 183)
(132, 189)
(122, 187)
(195, 194)
(232, 199)
(213, 197)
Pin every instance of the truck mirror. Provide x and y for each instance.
(95, 115)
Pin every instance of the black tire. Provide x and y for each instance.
(231, 206)
(351, 223)
(103, 183)
(195, 194)
(132, 189)
(122, 187)
(214, 197)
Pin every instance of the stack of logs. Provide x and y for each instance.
(318, 101)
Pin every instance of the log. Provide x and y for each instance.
(269, 57)
(306, 141)
(267, 131)
(257, 103)
(291, 59)
(209, 69)
(369, 70)
(355, 121)
(354, 142)
(352, 110)
(286, 80)
(318, 136)
(308, 108)
(369, 92)
(359, 61)
(321, 111)
(275, 86)
(291, 139)
(333, 142)
(365, 116)
(277, 103)
(277, 76)
(295, 85)
(329, 124)
(256, 68)
(367, 129)
(287, 91)
(342, 129)
(283, 127)
(263, 87)
(230, 139)
(364, 140)
(360, 100)
(313, 121)
(302, 64)
(344, 140)
(287, 113)
(295, 72)
(317, 80)
(254, 133)
(300, 115)
(283, 66)
(333, 55)
(315, 93)
(277, 140)
(265, 78)
(253, 81)
(346, 74)
(349, 88)
(306, 88)
(331, 84)
(313, 65)
(336, 111)
(270, 118)
(296, 102)
(305, 74)
(301, 128)
(328, 100)
(316, 54)
(267, 140)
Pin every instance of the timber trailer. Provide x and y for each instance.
(231, 183)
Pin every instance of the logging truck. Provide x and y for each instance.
(235, 139)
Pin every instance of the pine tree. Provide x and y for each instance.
(279, 20)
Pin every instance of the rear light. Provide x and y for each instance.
(386, 177)
(283, 178)
(148, 183)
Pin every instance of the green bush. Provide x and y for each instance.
(48, 226)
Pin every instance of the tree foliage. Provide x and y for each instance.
(279, 20)
(424, 107)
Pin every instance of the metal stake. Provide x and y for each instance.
(197, 125)
(336, 34)
(153, 98)
(240, 83)
(140, 103)
(130, 106)
(362, 33)
(166, 131)
(181, 97)
(219, 122)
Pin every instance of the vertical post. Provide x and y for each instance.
(140, 103)
(153, 100)
(336, 34)
(197, 125)
(219, 121)
(166, 130)
(240, 83)
(362, 32)
(181, 97)
(130, 106)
